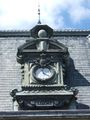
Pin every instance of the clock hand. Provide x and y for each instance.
(44, 73)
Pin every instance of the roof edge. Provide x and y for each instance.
(47, 114)
(61, 32)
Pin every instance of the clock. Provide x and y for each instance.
(43, 74)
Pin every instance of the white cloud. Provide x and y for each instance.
(78, 11)
(16, 12)
(80, 14)
(22, 14)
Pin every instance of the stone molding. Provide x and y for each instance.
(63, 32)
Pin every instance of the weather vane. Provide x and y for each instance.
(39, 21)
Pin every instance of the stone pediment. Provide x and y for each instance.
(54, 48)
(53, 45)
(42, 33)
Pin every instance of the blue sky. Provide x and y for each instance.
(22, 14)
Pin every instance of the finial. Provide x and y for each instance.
(39, 21)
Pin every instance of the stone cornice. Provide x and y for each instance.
(71, 32)
(14, 33)
(46, 115)
(62, 32)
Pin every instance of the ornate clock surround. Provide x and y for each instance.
(42, 51)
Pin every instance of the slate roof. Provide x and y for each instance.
(78, 71)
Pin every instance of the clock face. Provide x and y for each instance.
(43, 73)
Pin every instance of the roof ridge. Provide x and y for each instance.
(70, 30)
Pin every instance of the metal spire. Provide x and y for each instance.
(39, 21)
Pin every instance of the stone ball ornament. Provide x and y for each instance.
(42, 33)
